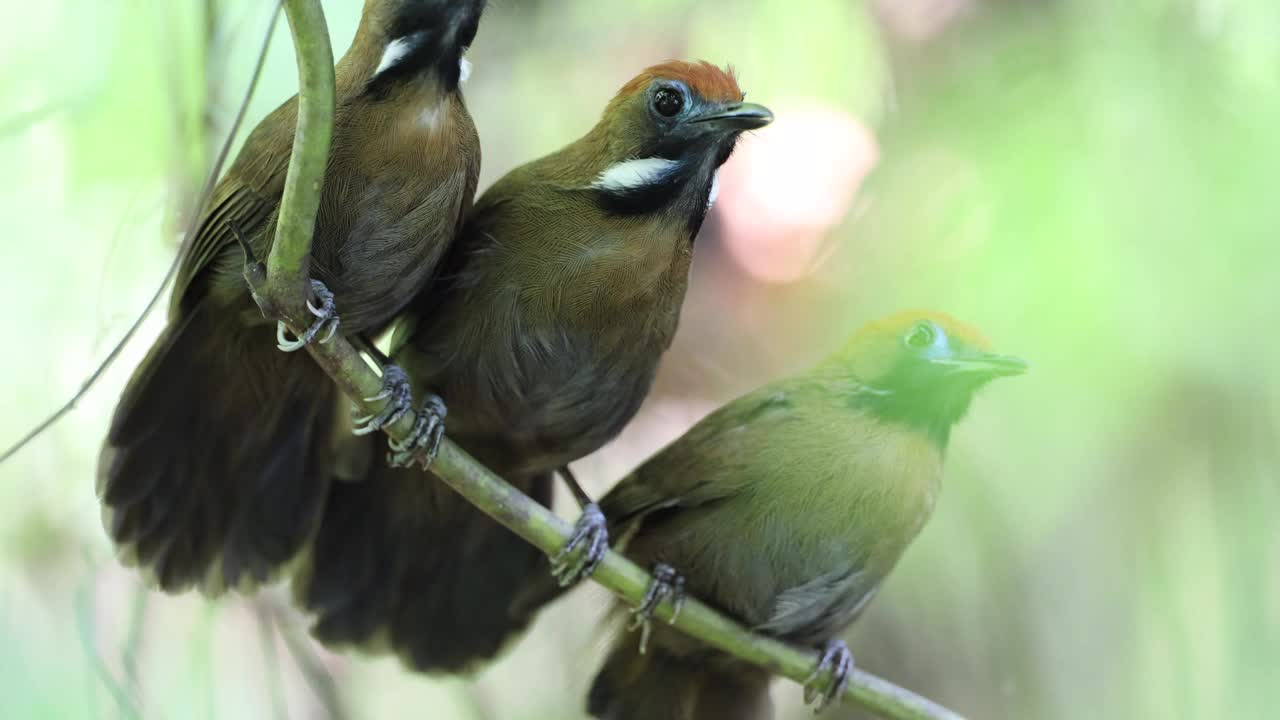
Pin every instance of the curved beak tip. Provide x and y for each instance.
(1007, 365)
(739, 116)
(987, 364)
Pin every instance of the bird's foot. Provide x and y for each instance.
(424, 440)
(586, 548)
(827, 683)
(666, 583)
(399, 397)
(326, 317)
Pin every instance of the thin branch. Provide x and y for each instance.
(126, 703)
(270, 658)
(286, 286)
(312, 667)
(133, 640)
(187, 239)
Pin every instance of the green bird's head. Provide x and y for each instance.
(922, 368)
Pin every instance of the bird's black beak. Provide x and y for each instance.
(980, 365)
(736, 117)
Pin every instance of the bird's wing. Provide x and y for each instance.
(703, 465)
(247, 196)
(234, 205)
(814, 610)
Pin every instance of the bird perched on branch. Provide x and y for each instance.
(786, 509)
(543, 335)
(215, 466)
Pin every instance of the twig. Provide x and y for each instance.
(270, 658)
(316, 675)
(187, 239)
(133, 640)
(287, 287)
(126, 703)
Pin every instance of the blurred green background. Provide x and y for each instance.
(1092, 183)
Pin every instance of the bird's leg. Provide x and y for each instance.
(326, 316)
(827, 682)
(255, 276)
(395, 390)
(399, 397)
(666, 584)
(589, 542)
(424, 439)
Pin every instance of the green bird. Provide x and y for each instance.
(543, 335)
(786, 509)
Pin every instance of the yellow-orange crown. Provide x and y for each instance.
(897, 325)
(875, 347)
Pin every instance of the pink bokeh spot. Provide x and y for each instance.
(921, 20)
(788, 185)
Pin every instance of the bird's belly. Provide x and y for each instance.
(377, 255)
(531, 412)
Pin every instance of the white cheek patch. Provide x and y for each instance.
(464, 70)
(632, 174)
(396, 50)
(715, 190)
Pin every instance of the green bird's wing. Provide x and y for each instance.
(812, 612)
(248, 196)
(706, 464)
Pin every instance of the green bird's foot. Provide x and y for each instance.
(585, 549)
(399, 397)
(326, 317)
(424, 440)
(827, 683)
(666, 584)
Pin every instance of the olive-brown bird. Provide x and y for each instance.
(214, 470)
(786, 509)
(543, 335)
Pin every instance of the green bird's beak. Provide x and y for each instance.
(982, 364)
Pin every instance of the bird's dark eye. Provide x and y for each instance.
(921, 336)
(668, 102)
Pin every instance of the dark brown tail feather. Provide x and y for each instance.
(214, 469)
(400, 560)
(653, 686)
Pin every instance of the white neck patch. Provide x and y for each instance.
(633, 174)
(464, 70)
(396, 50)
(715, 189)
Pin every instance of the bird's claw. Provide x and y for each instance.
(399, 397)
(836, 660)
(666, 583)
(326, 317)
(584, 551)
(424, 440)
